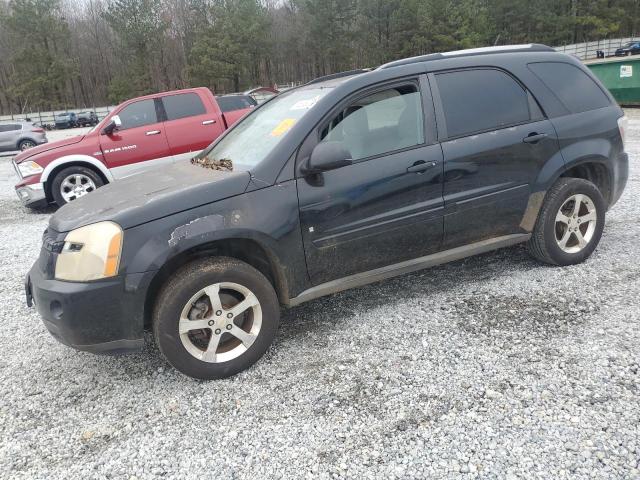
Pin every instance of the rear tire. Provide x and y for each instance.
(215, 318)
(26, 144)
(63, 185)
(570, 223)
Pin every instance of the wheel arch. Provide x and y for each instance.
(245, 249)
(51, 170)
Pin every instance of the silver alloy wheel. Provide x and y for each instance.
(216, 325)
(75, 186)
(26, 144)
(575, 223)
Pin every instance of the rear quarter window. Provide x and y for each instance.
(573, 87)
(235, 102)
(10, 127)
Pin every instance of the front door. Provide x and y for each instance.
(495, 143)
(387, 206)
(139, 143)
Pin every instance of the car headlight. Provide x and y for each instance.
(29, 168)
(90, 253)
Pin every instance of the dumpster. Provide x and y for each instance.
(621, 75)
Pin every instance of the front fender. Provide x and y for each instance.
(268, 217)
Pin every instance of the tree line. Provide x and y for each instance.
(57, 54)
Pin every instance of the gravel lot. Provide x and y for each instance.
(492, 367)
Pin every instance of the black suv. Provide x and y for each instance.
(345, 181)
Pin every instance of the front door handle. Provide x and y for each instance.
(208, 122)
(534, 137)
(420, 167)
(153, 132)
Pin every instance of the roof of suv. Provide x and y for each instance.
(337, 78)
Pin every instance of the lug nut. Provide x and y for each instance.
(229, 327)
(218, 313)
(218, 331)
(211, 322)
(229, 315)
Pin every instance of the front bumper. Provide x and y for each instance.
(100, 317)
(32, 195)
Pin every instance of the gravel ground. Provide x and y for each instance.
(492, 367)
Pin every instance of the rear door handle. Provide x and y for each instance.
(153, 132)
(420, 167)
(208, 122)
(534, 137)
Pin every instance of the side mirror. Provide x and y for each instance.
(328, 156)
(113, 125)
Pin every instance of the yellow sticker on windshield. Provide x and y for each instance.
(283, 127)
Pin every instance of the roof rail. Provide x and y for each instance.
(530, 47)
(338, 75)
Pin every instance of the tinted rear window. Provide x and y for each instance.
(574, 88)
(481, 100)
(235, 102)
(183, 105)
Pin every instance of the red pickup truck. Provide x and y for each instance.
(139, 133)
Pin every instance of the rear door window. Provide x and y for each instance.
(573, 87)
(481, 100)
(183, 105)
(138, 114)
(379, 123)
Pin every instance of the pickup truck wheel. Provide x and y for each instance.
(570, 223)
(215, 318)
(74, 182)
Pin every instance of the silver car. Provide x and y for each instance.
(20, 136)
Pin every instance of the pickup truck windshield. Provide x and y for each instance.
(254, 137)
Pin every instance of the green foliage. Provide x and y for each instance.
(39, 64)
(62, 53)
(230, 49)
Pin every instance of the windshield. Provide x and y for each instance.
(252, 139)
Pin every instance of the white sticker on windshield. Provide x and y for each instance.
(305, 104)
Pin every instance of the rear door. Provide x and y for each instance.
(495, 142)
(9, 136)
(139, 143)
(189, 126)
(387, 206)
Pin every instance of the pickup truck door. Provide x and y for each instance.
(190, 126)
(387, 206)
(139, 143)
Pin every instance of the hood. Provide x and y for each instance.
(45, 147)
(150, 195)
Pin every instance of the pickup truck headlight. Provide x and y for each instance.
(29, 168)
(90, 253)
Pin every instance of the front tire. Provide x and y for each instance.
(215, 318)
(74, 182)
(570, 223)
